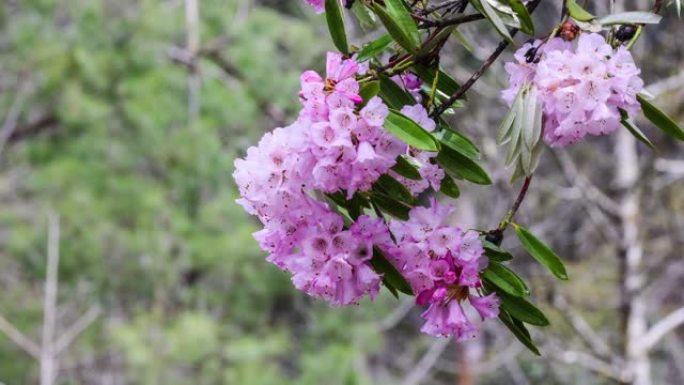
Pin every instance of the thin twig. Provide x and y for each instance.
(77, 328)
(516, 205)
(19, 339)
(662, 327)
(428, 23)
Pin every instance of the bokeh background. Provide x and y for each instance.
(120, 121)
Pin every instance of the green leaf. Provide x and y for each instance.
(458, 142)
(390, 275)
(363, 14)
(519, 331)
(333, 14)
(374, 48)
(399, 12)
(449, 188)
(634, 130)
(393, 94)
(577, 12)
(462, 167)
(490, 13)
(369, 89)
(541, 252)
(495, 253)
(463, 40)
(435, 41)
(404, 168)
(515, 144)
(660, 119)
(505, 279)
(394, 189)
(445, 83)
(394, 28)
(391, 206)
(631, 18)
(526, 24)
(410, 132)
(506, 125)
(354, 206)
(522, 309)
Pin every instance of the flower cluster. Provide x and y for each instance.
(338, 144)
(350, 148)
(333, 146)
(582, 87)
(442, 263)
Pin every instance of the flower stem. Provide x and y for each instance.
(521, 197)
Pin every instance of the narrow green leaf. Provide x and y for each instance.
(437, 40)
(391, 206)
(529, 115)
(404, 168)
(660, 119)
(394, 189)
(505, 279)
(463, 40)
(333, 14)
(395, 30)
(629, 124)
(369, 89)
(541, 252)
(410, 132)
(399, 12)
(382, 266)
(577, 12)
(449, 188)
(363, 14)
(393, 94)
(506, 126)
(462, 167)
(522, 309)
(374, 48)
(490, 13)
(519, 331)
(631, 18)
(526, 24)
(516, 132)
(458, 142)
(495, 253)
(445, 83)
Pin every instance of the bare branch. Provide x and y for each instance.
(77, 328)
(19, 339)
(662, 327)
(585, 360)
(582, 327)
(423, 367)
(47, 363)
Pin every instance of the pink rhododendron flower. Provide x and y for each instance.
(582, 87)
(442, 264)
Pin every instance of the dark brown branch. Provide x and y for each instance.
(33, 128)
(427, 23)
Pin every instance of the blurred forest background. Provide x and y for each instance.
(120, 121)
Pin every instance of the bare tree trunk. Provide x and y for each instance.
(630, 256)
